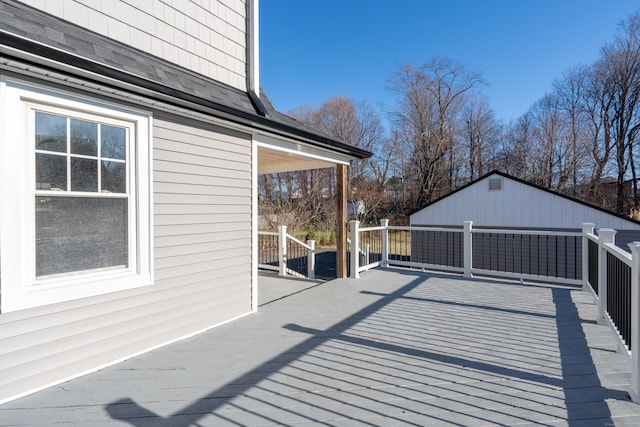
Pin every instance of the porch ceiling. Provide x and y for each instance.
(272, 161)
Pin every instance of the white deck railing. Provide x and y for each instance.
(577, 258)
(282, 252)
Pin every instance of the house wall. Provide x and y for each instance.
(204, 37)
(202, 255)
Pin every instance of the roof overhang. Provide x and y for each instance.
(26, 56)
(287, 155)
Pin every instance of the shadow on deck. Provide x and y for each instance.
(393, 348)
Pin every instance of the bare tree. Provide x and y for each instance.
(481, 133)
(620, 64)
(426, 118)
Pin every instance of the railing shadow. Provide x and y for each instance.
(422, 354)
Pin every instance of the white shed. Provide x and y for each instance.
(500, 200)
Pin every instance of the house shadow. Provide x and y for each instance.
(400, 360)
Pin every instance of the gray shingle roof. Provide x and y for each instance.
(27, 29)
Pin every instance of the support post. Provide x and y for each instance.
(635, 321)
(311, 259)
(468, 249)
(385, 242)
(606, 235)
(282, 250)
(341, 221)
(355, 249)
(587, 228)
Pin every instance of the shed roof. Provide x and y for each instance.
(517, 204)
(28, 34)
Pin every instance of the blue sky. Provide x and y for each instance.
(312, 50)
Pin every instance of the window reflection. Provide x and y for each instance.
(84, 137)
(51, 132)
(84, 174)
(114, 142)
(114, 178)
(51, 172)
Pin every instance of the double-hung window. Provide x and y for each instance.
(76, 179)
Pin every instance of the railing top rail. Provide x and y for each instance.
(420, 227)
(527, 232)
(290, 237)
(618, 253)
(592, 237)
(379, 227)
(267, 233)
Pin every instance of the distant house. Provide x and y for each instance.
(132, 135)
(498, 200)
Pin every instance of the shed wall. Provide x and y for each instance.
(517, 205)
(202, 255)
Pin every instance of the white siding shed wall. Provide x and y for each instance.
(516, 205)
(205, 37)
(202, 214)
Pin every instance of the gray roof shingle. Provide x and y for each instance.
(26, 28)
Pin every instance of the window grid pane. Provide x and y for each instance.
(90, 149)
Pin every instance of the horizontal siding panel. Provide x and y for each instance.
(119, 304)
(104, 328)
(228, 273)
(177, 272)
(203, 137)
(123, 338)
(206, 190)
(167, 241)
(195, 150)
(161, 220)
(169, 166)
(200, 248)
(222, 254)
(178, 230)
(194, 159)
(164, 139)
(184, 178)
(200, 199)
(174, 209)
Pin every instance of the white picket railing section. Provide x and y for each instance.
(282, 252)
(582, 258)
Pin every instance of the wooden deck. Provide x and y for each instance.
(393, 348)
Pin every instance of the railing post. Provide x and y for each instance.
(311, 259)
(467, 244)
(605, 235)
(282, 249)
(635, 321)
(587, 228)
(385, 242)
(355, 249)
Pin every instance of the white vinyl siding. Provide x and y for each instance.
(202, 259)
(517, 205)
(206, 38)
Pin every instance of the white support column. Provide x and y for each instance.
(587, 228)
(311, 259)
(355, 246)
(282, 249)
(468, 248)
(385, 242)
(606, 235)
(635, 321)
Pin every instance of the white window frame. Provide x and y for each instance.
(18, 284)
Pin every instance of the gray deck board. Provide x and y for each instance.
(395, 348)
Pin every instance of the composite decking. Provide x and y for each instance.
(395, 347)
